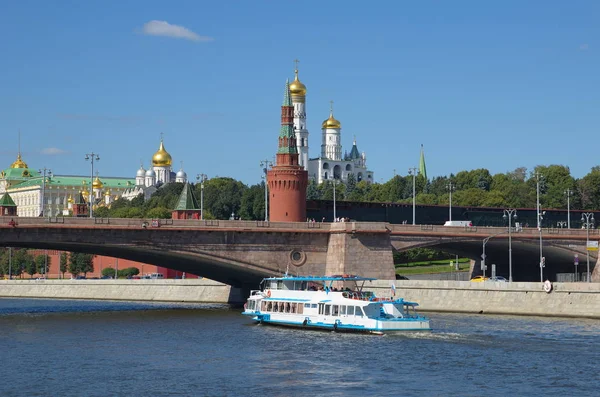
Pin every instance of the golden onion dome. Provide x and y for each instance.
(19, 163)
(107, 193)
(70, 199)
(296, 87)
(97, 184)
(84, 193)
(331, 122)
(161, 158)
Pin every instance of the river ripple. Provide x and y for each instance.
(90, 348)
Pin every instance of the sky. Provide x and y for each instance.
(495, 85)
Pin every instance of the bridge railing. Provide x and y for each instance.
(350, 227)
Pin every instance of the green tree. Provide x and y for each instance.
(222, 196)
(64, 263)
(21, 259)
(108, 272)
(102, 212)
(312, 190)
(252, 204)
(159, 213)
(589, 189)
(42, 262)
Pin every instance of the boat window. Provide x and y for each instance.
(264, 306)
(343, 310)
(279, 284)
(335, 310)
(351, 310)
(358, 311)
(300, 308)
(270, 306)
(288, 307)
(321, 308)
(327, 310)
(294, 305)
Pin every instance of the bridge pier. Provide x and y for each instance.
(367, 254)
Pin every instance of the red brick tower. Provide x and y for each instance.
(287, 179)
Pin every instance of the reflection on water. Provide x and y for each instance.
(73, 348)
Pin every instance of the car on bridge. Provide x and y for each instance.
(479, 279)
(498, 279)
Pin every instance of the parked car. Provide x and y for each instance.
(499, 279)
(479, 279)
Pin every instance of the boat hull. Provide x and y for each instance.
(378, 327)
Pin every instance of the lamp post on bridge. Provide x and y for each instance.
(201, 178)
(542, 259)
(45, 172)
(587, 219)
(92, 157)
(265, 164)
(510, 214)
(450, 188)
(569, 193)
(413, 171)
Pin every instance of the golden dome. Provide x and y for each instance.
(19, 163)
(296, 87)
(107, 193)
(331, 122)
(84, 193)
(161, 158)
(70, 199)
(97, 184)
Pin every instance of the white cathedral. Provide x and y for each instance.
(330, 164)
(160, 173)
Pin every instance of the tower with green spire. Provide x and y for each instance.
(422, 168)
(287, 180)
(287, 136)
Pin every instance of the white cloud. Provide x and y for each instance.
(164, 28)
(53, 151)
(584, 47)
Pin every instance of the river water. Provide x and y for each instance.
(90, 348)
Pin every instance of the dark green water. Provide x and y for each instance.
(86, 348)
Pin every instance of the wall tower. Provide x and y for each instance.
(287, 180)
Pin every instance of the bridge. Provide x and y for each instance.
(241, 253)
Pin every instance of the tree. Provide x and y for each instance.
(223, 196)
(252, 204)
(64, 263)
(102, 212)
(589, 188)
(43, 262)
(21, 258)
(159, 213)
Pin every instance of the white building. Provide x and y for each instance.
(160, 173)
(54, 195)
(330, 164)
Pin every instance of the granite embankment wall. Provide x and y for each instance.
(565, 299)
(520, 298)
(169, 290)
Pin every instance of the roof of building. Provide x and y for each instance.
(187, 200)
(354, 154)
(57, 181)
(18, 173)
(7, 201)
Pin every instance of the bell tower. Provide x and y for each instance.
(287, 180)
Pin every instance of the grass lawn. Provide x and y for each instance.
(431, 269)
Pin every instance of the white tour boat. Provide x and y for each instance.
(336, 303)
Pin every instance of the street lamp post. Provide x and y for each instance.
(201, 178)
(542, 259)
(510, 214)
(334, 208)
(44, 171)
(538, 176)
(587, 218)
(450, 187)
(561, 224)
(413, 171)
(569, 193)
(265, 164)
(92, 157)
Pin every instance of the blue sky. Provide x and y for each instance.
(481, 85)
